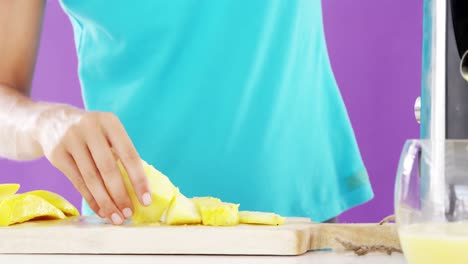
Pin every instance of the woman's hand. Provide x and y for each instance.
(85, 146)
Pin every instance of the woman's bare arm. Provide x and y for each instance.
(20, 30)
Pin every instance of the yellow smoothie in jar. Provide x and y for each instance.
(432, 243)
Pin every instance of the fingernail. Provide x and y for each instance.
(101, 213)
(127, 212)
(146, 199)
(116, 219)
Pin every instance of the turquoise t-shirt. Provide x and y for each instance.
(229, 98)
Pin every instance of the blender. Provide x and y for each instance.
(431, 191)
(442, 109)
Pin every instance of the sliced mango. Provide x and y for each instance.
(182, 211)
(260, 218)
(220, 214)
(8, 189)
(20, 208)
(58, 201)
(163, 191)
(217, 213)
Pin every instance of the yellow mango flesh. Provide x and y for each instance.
(20, 208)
(58, 201)
(162, 193)
(182, 211)
(217, 213)
(260, 218)
(8, 189)
(203, 200)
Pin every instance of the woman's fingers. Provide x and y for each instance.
(65, 163)
(109, 171)
(123, 147)
(76, 179)
(92, 178)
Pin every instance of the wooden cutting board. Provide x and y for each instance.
(90, 235)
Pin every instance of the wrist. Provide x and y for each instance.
(50, 121)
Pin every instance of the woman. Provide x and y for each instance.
(234, 99)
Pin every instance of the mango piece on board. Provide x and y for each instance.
(220, 214)
(58, 201)
(182, 211)
(20, 208)
(163, 191)
(217, 213)
(8, 189)
(260, 218)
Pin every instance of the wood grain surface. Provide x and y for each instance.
(89, 235)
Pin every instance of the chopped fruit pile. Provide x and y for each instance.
(171, 207)
(168, 206)
(19, 208)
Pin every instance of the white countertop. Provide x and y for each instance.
(309, 258)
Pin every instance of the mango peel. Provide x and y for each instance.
(40, 204)
(20, 208)
(58, 201)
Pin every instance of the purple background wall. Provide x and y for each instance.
(375, 49)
